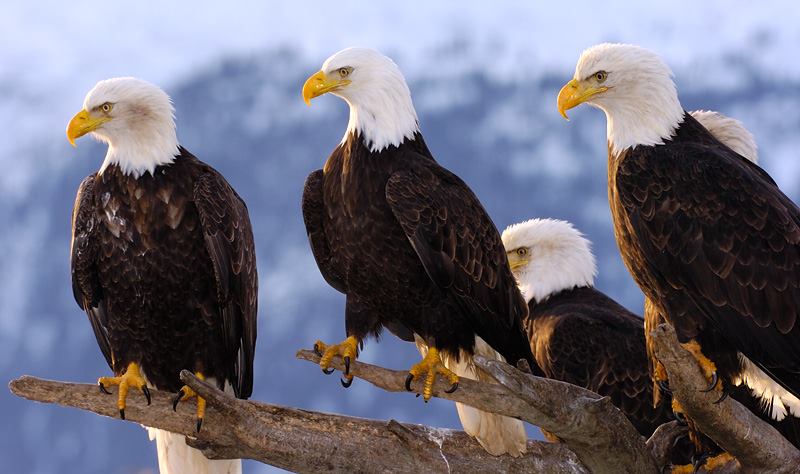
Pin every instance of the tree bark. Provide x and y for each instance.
(300, 440)
(589, 424)
(754, 443)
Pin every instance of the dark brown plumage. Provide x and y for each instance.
(413, 249)
(583, 337)
(715, 246)
(164, 265)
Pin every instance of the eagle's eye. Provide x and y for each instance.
(344, 72)
(522, 251)
(106, 107)
(600, 76)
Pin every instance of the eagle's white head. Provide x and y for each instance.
(633, 86)
(135, 118)
(376, 91)
(548, 256)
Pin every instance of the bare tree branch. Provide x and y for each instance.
(592, 427)
(300, 440)
(662, 441)
(756, 444)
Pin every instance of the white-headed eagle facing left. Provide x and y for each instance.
(408, 242)
(706, 233)
(163, 260)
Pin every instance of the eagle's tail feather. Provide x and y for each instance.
(176, 457)
(496, 433)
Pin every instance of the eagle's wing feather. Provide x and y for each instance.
(461, 251)
(83, 250)
(603, 351)
(229, 240)
(313, 217)
(715, 225)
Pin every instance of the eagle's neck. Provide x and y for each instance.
(646, 116)
(142, 151)
(538, 284)
(382, 116)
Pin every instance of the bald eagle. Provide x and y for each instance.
(578, 334)
(707, 235)
(405, 239)
(163, 260)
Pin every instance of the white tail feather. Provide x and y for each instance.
(176, 457)
(496, 433)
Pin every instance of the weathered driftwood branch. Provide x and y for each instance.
(662, 441)
(756, 444)
(593, 428)
(300, 440)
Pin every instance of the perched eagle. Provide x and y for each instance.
(578, 334)
(163, 260)
(707, 235)
(405, 239)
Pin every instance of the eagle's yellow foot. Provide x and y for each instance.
(706, 464)
(719, 461)
(678, 412)
(430, 366)
(131, 378)
(185, 393)
(709, 369)
(347, 349)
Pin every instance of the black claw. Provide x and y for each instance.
(664, 386)
(328, 371)
(722, 397)
(103, 388)
(680, 418)
(347, 365)
(714, 382)
(177, 400)
(146, 392)
(426, 400)
(122, 413)
(409, 379)
(417, 395)
(699, 461)
(346, 384)
(452, 388)
(199, 424)
(317, 350)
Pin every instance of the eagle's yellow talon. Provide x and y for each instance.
(430, 366)
(186, 393)
(347, 349)
(708, 367)
(131, 378)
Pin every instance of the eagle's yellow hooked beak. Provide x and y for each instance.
(319, 84)
(575, 93)
(83, 123)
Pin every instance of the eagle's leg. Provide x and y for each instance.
(185, 393)
(347, 349)
(131, 378)
(660, 382)
(709, 368)
(430, 366)
(677, 411)
(723, 462)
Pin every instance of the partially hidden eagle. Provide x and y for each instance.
(577, 333)
(707, 234)
(163, 260)
(405, 239)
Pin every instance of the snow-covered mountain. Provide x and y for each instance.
(484, 84)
